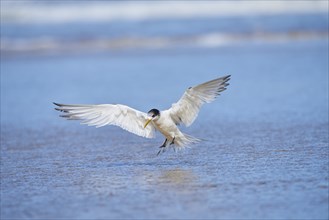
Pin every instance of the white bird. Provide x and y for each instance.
(184, 112)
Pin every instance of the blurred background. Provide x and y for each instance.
(270, 127)
(81, 51)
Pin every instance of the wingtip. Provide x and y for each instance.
(226, 78)
(59, 105)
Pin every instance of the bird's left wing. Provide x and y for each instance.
(187, 108)
(123, 116)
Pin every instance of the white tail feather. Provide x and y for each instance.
(185, 140)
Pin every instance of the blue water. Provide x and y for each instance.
(169, 27)
(265, 149)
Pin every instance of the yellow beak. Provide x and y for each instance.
(147, 122)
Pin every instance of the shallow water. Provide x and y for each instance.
(263, 173)
(264, 153)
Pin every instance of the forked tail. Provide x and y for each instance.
(185, 140)
(178, 143)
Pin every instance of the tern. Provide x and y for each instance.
(143, 124)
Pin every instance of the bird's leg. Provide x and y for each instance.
(173, 141)
(164, 144)
(162, 147)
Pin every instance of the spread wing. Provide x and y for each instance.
(187, 108)
(106, 114)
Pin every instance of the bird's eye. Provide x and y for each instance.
(153, 116)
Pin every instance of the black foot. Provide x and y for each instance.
(162, 150)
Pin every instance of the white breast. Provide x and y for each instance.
(167, 126)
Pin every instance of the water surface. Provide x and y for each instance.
(265, 148)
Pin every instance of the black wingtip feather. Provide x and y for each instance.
(61, 110)
(221, 90)
(227, 78)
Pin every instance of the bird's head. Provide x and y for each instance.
(153, 114)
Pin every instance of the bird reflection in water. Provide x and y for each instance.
(177, 177)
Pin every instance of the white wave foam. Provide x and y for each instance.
(46, 45)
(36, 12)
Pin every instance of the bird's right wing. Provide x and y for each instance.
(123, 116)
(188, 106)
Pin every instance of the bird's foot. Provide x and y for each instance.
(162, 150)
(159, 152)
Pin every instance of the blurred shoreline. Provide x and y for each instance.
(99, 11)
(49, 46)
(55, 28)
